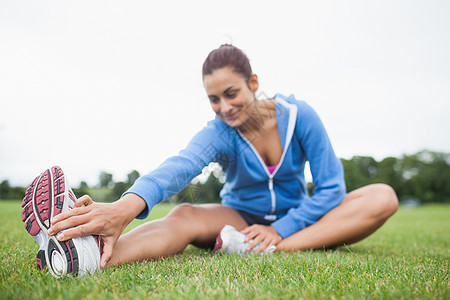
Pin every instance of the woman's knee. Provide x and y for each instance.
(183, 211)
(385, 199)
(196, 221)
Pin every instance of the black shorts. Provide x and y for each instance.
(252, 219)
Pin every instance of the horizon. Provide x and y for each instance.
(206, 171)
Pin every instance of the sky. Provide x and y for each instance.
(116, 86)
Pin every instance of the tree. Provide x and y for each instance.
(119, 188)
(426, 176)
(106, 179)
(83, 189)
(209, 191)
(389, 173)
(83, 185)
(359, 171)
(5, 189)
(132, 176)
(8, 192)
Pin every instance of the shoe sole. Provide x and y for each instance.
(219, 243)
(44, 199)
(222, 240)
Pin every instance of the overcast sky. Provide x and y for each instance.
(116, 85)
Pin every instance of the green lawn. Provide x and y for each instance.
(408, 258)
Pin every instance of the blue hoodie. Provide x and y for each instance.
(282, 196)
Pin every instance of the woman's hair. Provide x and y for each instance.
(227, 56)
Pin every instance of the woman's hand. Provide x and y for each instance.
(266, 235)
(108, 220)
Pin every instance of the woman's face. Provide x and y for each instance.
(230, 95)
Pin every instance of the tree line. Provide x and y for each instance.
(424, 176)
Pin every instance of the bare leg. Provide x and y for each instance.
(185, 224)
(361, 213)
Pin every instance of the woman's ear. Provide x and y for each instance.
(253, 83)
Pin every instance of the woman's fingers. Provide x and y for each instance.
(261, 235)
(108, 245)
(68, 225)
(264, 245)
(254, 243)
(254, 235)
(246, 230)
(73, 233)
(251, 232)
(250, 229)
(77, 211)
(250, 236)
(84, 200)
(68, 214)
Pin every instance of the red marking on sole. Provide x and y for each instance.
(43, 198)
(39, 263)
(219, 243)
(70, 253)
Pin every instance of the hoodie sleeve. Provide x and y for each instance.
(326, 169)
(178, 171)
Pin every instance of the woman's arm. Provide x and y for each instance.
(326, 169)
(110, 219)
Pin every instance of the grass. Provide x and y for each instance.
(408, 258)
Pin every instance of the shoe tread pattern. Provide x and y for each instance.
(44, 199)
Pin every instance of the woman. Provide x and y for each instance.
(262, 146)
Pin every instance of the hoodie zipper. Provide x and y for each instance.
(272, 217)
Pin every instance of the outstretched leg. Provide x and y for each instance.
(361, 213)
(185, 224)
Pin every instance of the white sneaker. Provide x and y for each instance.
(230, 240)
(49, 195)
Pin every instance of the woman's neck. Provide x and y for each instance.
(261, 117)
